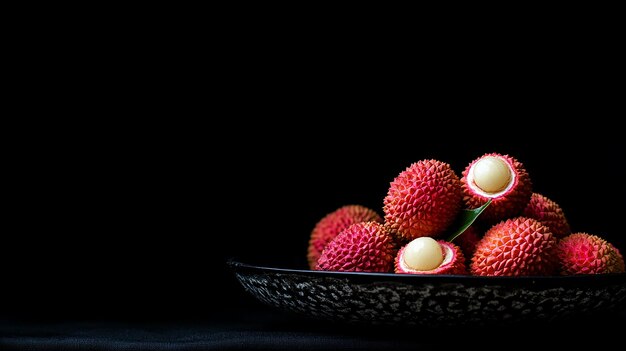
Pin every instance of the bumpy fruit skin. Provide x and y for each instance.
(549, 213)
(468, 240)
(362, 247)
(582, 253)
(332, 224)
(509, 203)
(621, 267)
(516, 247)
(423, 200)
(450, 265)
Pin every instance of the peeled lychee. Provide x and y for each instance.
(423, 200)
(582, 253)
(362, 247)
(500, 178)
(549, 213)
(332, 224)
(515, 247)
(426, 255)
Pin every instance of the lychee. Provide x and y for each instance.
(423, 200)
(620, 259)
(426, 255)
(362, 247)
(500, 178)
(582, 253)
(515, 247)
(332, 224)
(548, 213)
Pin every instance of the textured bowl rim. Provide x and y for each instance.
(552, 281)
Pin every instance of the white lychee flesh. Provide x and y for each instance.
(423, 254)
(491, 176)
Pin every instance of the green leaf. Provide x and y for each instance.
(465, 219)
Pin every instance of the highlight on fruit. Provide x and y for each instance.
(488, 222)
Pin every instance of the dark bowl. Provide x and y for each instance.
(385, 298)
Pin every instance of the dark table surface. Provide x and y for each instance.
(264, 328)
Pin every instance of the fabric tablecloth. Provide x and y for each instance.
(269, 329)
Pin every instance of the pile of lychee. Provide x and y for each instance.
(520, 233)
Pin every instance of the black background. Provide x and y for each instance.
(139, 224)
(135, 165)
(163, 170)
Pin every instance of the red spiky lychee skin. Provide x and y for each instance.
(504, 204)
(516, 247)
(582, 253)
(548, 213)
(453, 262)
(621, 267)
(423, 200)
(362, 247)
(332, 224)
(468, 240)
